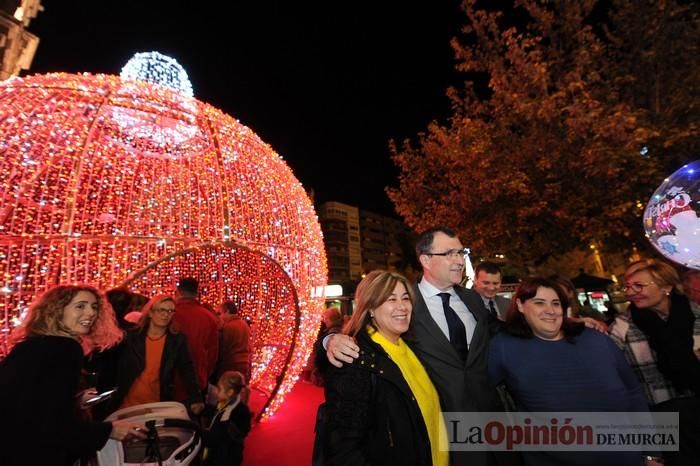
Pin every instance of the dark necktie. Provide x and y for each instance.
(492, 309)
(458, 334)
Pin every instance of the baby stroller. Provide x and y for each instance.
(171, 440)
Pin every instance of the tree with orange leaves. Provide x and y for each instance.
(555, 153)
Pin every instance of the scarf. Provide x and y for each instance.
(672, 340)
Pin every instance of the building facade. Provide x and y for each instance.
(17, 45)
(341, 235)
(385, 242)
(359, 241)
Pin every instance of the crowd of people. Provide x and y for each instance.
(408, 346)
(409, 353)
(75, 338)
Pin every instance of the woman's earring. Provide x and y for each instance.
(371, 315)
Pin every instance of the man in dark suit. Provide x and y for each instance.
(458, 370)
(487, 282)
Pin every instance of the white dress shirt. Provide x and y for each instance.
(434, 303)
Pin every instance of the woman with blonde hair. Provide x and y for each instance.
(657, 334)
(382, 409)
(153, 353)
(39, 380)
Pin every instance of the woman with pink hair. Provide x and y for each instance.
(39, 380)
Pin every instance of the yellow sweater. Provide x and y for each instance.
(424, 391)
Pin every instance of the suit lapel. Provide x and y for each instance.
(423, 319)
(503, 304)
(476, 306)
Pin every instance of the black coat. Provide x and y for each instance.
(176, 358)
(39, 422)
(373, 417)
(225, 437)
(463, 386)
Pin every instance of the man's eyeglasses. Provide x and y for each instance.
(163, 311)
(636, 287)
(451, 253)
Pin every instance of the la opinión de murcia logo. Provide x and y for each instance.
(562, 431)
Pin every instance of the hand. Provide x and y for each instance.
(594, 324)
(85, 396)
(342, 348)
(197, 408)
(127, 430)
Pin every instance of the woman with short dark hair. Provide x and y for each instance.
(549, 362)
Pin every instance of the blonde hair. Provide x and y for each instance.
(145, 319)
(234, 380)
(372, 292)
(46, 314)
(662, 273)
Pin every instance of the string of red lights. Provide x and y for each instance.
(108, 181)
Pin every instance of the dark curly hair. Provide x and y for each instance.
(46, 312)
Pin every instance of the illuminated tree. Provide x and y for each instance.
(549, 155)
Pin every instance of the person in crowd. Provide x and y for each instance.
(224, 438)
(39, 380)
(691, 285)
(575, 310)
(103, 365)
(551, 363)
(200, 327)
(138, 301)
(216, 312)
(121, 301)
(382, 408)
(451, 336)
(153, 353)
(569, 289)
(332, 321)
(657, 335)
(487, 282)
(235, 342)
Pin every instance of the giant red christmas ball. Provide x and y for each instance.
(112, 181)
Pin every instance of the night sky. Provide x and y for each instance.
(326, 84)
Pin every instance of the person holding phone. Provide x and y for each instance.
(39, 380)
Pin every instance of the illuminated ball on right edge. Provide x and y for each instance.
(672, 216)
